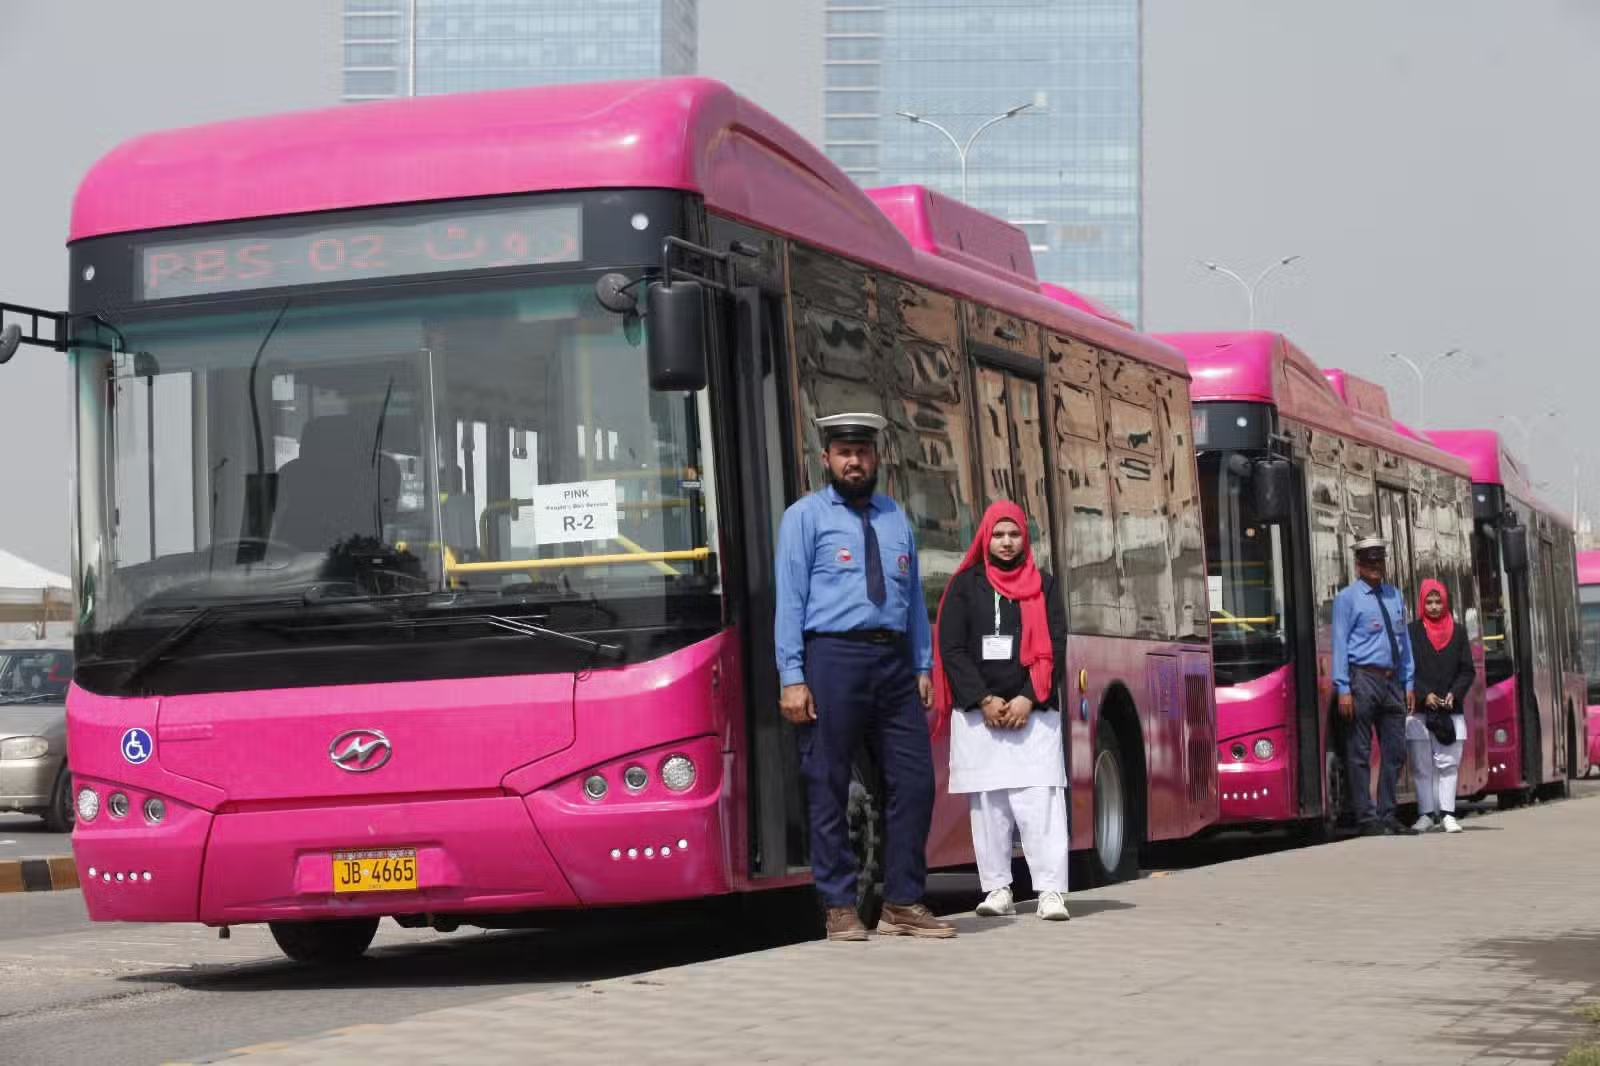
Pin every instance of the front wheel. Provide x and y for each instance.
(62, 812)
(327, 943)
(1115, 855)
(864, 816)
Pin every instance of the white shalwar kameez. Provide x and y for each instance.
(1017, 780)
(1434, 766)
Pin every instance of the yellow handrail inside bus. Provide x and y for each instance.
(639, 549)
(511, 566)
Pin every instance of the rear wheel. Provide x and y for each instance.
(1115, 855)
(60, 815)
(327, 943)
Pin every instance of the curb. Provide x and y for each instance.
(38, 875)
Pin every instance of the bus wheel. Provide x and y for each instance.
(63, 809)
(1511, 799)
(1325, 828)
(864, 815)
(325, 943)
(1115, 855)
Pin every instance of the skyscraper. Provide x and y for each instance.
(421, 47)
(1066, 169)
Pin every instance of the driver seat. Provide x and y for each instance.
(336, 490)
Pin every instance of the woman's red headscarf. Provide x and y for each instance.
(1021, 584)
(1440, 632)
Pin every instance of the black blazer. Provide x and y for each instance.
(1442, 673)
(969, 617)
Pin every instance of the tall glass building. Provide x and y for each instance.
(422, 47)
(1066, 169)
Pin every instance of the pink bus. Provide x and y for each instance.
(1589, 624)
(1528, 591)
(430, 456)
(1296, 464)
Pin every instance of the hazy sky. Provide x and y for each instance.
(77, 78)
(1435, 162)
(1432, 161)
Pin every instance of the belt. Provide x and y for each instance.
(1381, 671)
(861, 636)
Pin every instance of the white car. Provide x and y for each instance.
(34, 774)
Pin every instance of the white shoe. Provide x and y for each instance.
(1423, 825)
(1451, 825)
(997, 904)
(1053, 907)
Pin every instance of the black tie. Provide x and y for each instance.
(1394, 645)
(875, 590)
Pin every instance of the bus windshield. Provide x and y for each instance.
(1589, 617)
(498, 442)
(1244, 574)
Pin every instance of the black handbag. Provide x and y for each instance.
(1442, 725)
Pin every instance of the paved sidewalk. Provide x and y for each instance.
(1474, 948)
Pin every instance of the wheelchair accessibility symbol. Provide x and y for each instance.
(137, 745)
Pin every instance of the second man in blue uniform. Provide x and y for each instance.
(1373, 672)
(855, 657)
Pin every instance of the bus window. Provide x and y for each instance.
(1589, 619)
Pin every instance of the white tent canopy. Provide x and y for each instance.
(32, 594)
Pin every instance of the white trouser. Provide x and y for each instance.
(1040, 812)
(1433, 769)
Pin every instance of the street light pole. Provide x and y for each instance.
(1422, 379)
(963, 150)
(1249, 287)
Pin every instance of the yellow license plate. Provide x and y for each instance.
(393, 870)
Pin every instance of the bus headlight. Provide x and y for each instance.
(1501, 736)
(88, 804)
(635, 777)
(117, 805)
(154, 810)
(677, 773)
(1237, 751)
(1264, 749)
(594, 787)
(24, 748)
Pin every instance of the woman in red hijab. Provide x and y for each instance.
(1437, 731)
(997, 671)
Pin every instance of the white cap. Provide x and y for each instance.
(855, 425)
(1367, 544)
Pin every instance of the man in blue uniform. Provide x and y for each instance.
(1373, 672)
(855, 658)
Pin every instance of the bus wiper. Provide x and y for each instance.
(609, 652)
(196, 622)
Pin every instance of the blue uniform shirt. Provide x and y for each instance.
(1359, 638)
(822, 580)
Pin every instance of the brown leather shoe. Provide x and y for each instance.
(845, 924)
(913, 920)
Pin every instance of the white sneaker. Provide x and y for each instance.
(1451, 825)
(1053, 907)
(1423, 825)
(997, 904)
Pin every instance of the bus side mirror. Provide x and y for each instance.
(10, 341)
(1514, 548)
(676, 337)
(1271, 485)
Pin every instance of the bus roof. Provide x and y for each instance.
(1493, 464)
(1262, 367)
(693, 134)
(1589, 568)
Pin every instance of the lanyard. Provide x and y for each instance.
(997, 613)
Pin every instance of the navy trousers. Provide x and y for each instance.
(866, 692)
(1381, 705)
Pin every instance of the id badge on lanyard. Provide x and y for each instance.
(997, 646)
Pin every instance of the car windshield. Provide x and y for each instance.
(500, 442)
(34, 674)
(1244, 574)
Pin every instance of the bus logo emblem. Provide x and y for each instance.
(360, 751)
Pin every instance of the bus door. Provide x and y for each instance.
(1522, 636)
(756, 385)
(1548, 667)
(1301, 622)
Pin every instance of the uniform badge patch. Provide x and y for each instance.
(843, 556)
(903, 564)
